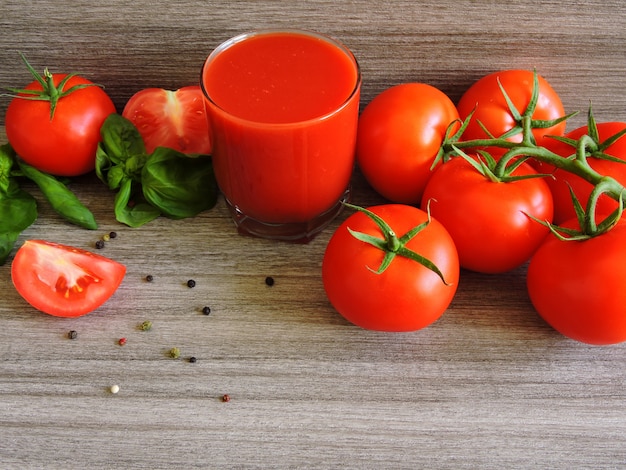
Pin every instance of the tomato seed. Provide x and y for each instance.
(73, 334)
(191, 283)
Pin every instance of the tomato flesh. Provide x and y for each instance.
(173, 119)
(62, 280)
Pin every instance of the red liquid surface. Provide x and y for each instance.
(283, 109)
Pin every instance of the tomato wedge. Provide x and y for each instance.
(174, 119)
(64, 281)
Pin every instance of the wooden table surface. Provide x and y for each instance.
(489, 385)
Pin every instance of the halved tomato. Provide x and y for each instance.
(62, 280)
(174, 119)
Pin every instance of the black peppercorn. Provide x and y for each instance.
(149, 278)
(73, 334)
(269, 280)
(191, 283)
(192, 359)
(100, 244)
(112, 234)
(206, 310)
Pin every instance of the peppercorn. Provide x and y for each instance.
(146, 326)
(106, 237)
(191, 283)
(269, 281)
(114, 389)
(206, 310)
(149, 278)
(175, 353)
(192, 359)
(112, 234)
(226, 397)
(122, 341)
(73, 334)
(100, 244)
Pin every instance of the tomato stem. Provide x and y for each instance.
(391, 245)
(49, 91)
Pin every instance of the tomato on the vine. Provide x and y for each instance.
(63, 141)
(399, 134)
(173, 119)
(579, 287)
(486, 100)
(561, 180)
(64, 281)
(407, 295)
(489, 221)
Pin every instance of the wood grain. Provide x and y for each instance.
(489, 385)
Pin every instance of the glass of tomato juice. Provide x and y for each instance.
(283, 109)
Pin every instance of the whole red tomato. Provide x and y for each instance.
(399, 134)
(489, 221)
(562, 180)
(407, 295)
(174, 119)
(492, 110)
(64, 144)
(579, 287)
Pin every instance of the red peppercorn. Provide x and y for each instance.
(226, 398)
(122, 341)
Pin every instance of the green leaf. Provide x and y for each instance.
(17, 213)
(7, 161)
(120, 139)
(130, 212)
(62, 200)
(179, 185)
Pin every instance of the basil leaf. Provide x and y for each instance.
(62, 200)
(7, 160)
(120, 139)
(18, 209)
(17, 213)
(130, 212)
(179, 185)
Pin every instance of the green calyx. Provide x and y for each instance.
(586, 146)
(49, 92)
(391, 244)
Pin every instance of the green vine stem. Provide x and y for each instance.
(587, 145)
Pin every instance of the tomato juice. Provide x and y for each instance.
(283, 112)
